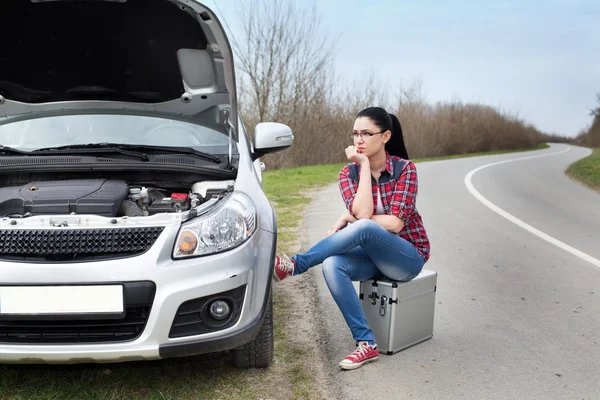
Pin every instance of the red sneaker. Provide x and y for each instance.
(284, 267)
(364, 353)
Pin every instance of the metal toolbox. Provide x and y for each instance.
(400, 313)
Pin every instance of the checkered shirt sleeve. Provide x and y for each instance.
(347, 188)
(405, 193)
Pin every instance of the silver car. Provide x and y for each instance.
(133, 223)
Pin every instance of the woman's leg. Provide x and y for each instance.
(339, 272)
(394, 256)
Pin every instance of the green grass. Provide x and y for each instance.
(287, 190)
(186, 378)
(587, 170)
(207, 377)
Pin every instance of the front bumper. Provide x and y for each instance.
(177, 282)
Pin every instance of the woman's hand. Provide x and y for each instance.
(353, 155)
(340, 224)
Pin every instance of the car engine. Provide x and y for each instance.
(103, 197)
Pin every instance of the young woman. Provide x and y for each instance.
(381, 235)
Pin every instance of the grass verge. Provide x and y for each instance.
(587, 170)
(212, 376)
(187, 378)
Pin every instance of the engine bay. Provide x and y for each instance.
(102, 197)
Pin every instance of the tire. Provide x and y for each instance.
(260, 351)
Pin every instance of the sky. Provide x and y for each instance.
(538, 59)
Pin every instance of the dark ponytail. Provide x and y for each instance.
(395, 146)
(385, 121)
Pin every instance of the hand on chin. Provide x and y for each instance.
(355, 155)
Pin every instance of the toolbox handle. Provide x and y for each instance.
(382, 306)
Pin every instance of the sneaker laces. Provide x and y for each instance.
(286, 265)
(361, 350)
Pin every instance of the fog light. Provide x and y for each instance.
(220, 310)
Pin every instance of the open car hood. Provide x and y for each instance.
(157, 57)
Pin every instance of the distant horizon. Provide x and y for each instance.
(540, 63)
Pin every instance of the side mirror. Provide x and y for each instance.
(270, 137)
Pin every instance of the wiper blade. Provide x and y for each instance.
(130, 148)
(175, 150)
(92, 148)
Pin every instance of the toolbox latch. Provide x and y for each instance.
(374, 296)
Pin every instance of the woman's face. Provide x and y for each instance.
(366, 144)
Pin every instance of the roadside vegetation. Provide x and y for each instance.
(587, 170)
(590, 136)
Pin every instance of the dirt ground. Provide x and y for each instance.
(304, 371)
(299, 370)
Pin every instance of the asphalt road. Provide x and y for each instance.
(516, 246)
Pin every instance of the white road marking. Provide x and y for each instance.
(517, 221)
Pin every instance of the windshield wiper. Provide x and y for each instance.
(11, 151)
(85, 149)
(136, 150)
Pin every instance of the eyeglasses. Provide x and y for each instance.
(356, 135)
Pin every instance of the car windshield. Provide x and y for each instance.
(64, 130)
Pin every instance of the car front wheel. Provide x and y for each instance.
(260, 351)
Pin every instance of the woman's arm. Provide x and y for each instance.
(389, 222)
(358, 196)
(362, 207)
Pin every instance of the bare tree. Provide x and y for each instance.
(595, 112)
(283, 58)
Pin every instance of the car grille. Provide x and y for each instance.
(43, 330)
(49, 242)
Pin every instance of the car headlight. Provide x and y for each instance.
(223, 228)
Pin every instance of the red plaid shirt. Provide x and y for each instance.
(398, 197)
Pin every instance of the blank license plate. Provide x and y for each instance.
(40, 300)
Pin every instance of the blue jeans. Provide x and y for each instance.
(363, 250)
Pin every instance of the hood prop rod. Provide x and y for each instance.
(229, 127)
